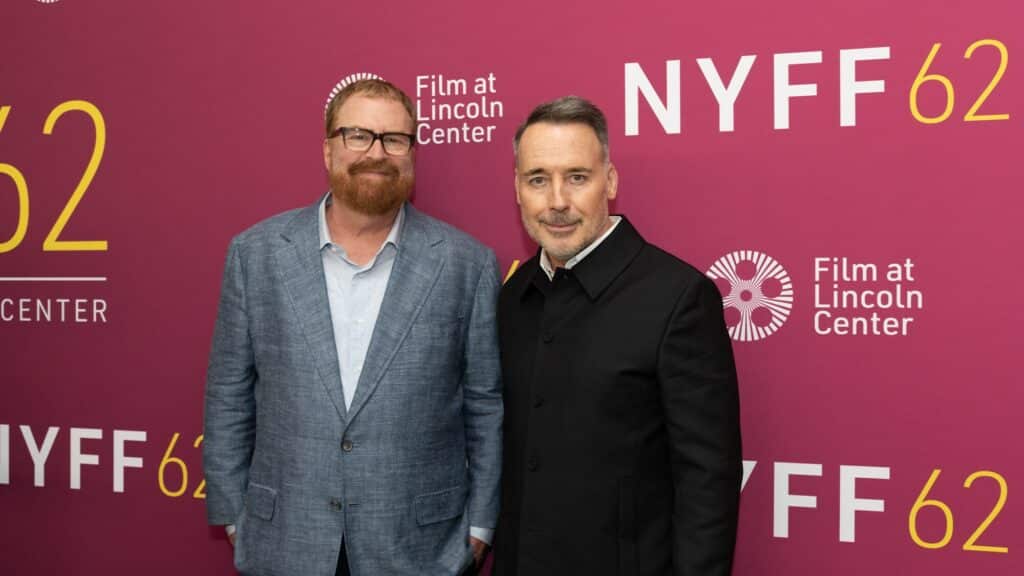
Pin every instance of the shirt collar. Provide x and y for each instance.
(595, 274)
(325, 234)
(545, 263)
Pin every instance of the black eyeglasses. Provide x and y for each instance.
(361, 140)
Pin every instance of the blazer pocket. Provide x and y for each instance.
(434, 344)
(446, 329)
(260, 501)
(440, 506)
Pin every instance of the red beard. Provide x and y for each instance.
(374, 197)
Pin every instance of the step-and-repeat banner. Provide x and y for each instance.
(849, 173)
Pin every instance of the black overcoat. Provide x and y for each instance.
(621, 436)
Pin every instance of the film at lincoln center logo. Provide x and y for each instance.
(757, 293)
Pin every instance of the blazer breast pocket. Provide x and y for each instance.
(430, 321)
(436, 336)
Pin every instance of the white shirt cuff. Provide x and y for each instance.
(485, 534)
(230, 529)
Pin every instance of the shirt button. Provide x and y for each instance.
(538, 401)
(335, 504)
(347, 445)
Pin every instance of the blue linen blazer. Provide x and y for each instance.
(415, 460)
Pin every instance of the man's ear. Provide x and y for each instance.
(613, 181)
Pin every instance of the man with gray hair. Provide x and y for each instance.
(353, 403)
(621, 436)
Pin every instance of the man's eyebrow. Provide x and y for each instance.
(572, 170)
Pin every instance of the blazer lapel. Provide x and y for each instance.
(416, 269)
(302, 273)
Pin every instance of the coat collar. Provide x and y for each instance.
(595, 272)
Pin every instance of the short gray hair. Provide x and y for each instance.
(567, 110)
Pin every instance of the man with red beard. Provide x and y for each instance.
(353, 403)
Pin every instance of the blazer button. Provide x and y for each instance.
(335, 504)
(347, 445)
(548, 337)
(532, 464)
(538, 401)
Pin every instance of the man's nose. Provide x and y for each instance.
(559, 198)
(376, 149)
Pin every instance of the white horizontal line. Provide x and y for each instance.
(54, 279)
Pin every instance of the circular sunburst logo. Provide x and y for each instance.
(757, 293)
(345, 82)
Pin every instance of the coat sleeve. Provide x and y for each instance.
(230, 407)
(697, 378)
(482, 404)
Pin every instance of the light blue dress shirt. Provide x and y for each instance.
(355, 294)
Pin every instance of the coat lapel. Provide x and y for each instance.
(302, 273)
(416, 269)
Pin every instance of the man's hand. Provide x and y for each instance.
(479, 551)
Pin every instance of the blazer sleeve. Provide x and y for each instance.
(230, 406)
(697, 378)
(482, 404)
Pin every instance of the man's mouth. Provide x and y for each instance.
(560, 227)
(380, 170)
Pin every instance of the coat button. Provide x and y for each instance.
(335, 504)
(347, 445)
(538, 401)
(548, 336)
(532, 464)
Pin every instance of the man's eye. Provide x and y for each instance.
(537, 181)
(577, 178)
(359, 137)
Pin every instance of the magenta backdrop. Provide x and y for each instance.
(213, 119)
